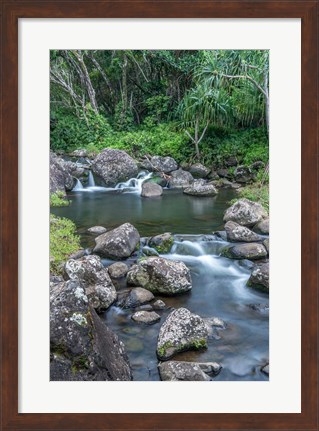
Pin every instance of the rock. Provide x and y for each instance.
(60, 178)
(78, 254)
(245, 213)
(95, 279)
(137, 297)
(265, 369)
(162, 243)
(148, 251)
(181, 331)
(231, 161)
(79, 153)
(222, 183)
(243, 174)
(188, 371)
(237, 233)
(262, 227)
(201, 190)
(259, 278)
(147, 317)
(215, 322)
(163, 164)
(260, 308)
(160, 275)
(117, 270)
(251, 251)
(221, 234)
(161, 181)
(199, 171)
(118, 243)
(82, 346)
(256, 166)
(213, 175)
(97, 230)
(224, 173)
(180, 179)
(114, 166)
(151, 190)
(159, 305)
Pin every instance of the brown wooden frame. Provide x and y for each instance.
(12, 10)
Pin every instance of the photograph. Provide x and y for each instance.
(159, 215)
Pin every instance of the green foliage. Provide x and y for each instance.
(58, 200)
(257, 192)
(63, 242)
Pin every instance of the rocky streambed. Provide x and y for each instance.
(173, 287)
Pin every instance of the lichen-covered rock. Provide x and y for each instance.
(199, 171)
(118, 243)
(158, 305)
(82, 346)
(118, 270)
(146, 317)
(95, 278)
(265, 369)
(262, 227)
(151, 190)
(188, 371)
(79, 153)
(160, 275)
(137, 297)
(199, 189)
(256, 166)
(180, 179)
(250, 251)
(114, 166)
(60, 178)
(266, 244)
(181, 331)
(163, 164)
(223, 183)
(97, 230)
(243, 174)
(238, 233)
(245, 213)
(259, 278)
(225, 173)
(162, 243)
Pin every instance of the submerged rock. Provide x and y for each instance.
(259, 278)
(162, 243)
(97, 230)
(118, 243)
(95, 279)
(199, 171)
(118, 270)
(188, 371)
(251, 251)
(198, 189)
(146, 317)
(82, 346)
(151, 190)
(181, 331)
(163, 164)
(160, 275)
(237, 233)
(245, 213)
(180, 179)
(114, 166)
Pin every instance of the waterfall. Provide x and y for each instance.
(91, 182)
(78, 186)
(134, 184)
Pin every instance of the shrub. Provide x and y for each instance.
(58, 200)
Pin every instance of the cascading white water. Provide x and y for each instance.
(91, 182)
(78, 186)
(134, 185)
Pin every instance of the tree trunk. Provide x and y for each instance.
(196, 139)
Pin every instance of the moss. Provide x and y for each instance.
(200, 344)
(63, 242)
(79, 363)
(165, 246)
(161, 351)
(58, 199)
(197, 345)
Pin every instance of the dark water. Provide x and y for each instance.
(219, 284)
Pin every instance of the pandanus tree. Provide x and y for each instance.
(200, 107)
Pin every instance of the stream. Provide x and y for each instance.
(219, 284)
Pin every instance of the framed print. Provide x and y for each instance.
(168, 137)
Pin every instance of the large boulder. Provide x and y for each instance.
(159, 275)
(60, 177)
(95, 278)
(163, 164)
(251, 251)
(162, 243)
(180, 179)
(82, 346)
(118, 243)
(259, 278)
(181, 331)
(262, 227)
(238, 233)
(188, 371)
(199, 171)
(200, 189)
(151, 190)
(245, 213)
(114, 166)
(243, 174)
